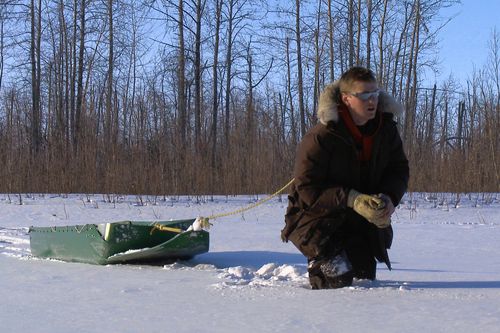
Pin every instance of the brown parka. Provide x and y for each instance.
(318, 221)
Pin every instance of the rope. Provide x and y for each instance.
(204, 221)
(258, 203)
(158, 226)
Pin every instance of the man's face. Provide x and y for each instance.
(361, 101)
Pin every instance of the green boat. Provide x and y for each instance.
(119, 242)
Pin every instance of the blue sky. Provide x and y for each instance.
(464, 40)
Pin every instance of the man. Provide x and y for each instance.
(350, 172)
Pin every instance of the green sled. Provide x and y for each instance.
(119, 242)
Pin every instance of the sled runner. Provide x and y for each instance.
(119, 242)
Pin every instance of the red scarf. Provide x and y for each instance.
(364, 141)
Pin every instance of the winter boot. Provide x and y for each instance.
(331, 273)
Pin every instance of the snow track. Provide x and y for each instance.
(15, 242)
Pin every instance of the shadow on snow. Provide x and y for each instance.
(438, 284)
(254, 259)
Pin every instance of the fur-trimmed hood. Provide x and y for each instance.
(330, 99)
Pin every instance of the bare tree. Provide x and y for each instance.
(350, 32)
(331, 41)
(230, 17)
(35, 55)
(79, 73)
(215, 91)
(317, 57)
(358, 34)
(181, 89)
(79, 80)
(298, 40)
(109, 114)
(3, 17)
(381, 63)
(294, 132)
(199, 8)
(369, 8)
(410, 90)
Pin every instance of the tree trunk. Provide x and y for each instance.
(350, 32)
(402, 40)
(197, 76)
(430, 128)
(414, 70)
(369, 33)
(317, 59)
(229, 62)
(293, 123)
(181, 94)
(381, 64)
(2, 45)
(215, 94)
(358, 35)
(109, 91)
(79, 92)
(299, 70)
(410, 107)
(331, 41)
(250, 127)
(35, 38)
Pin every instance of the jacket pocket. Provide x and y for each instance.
(314, 236)
(292, 219)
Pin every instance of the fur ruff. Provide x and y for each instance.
(330, 99)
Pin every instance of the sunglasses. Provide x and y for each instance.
(364, 96)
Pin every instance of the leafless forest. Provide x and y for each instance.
(212, 96)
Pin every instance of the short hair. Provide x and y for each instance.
(355, 74)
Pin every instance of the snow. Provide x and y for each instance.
(445, 277)
(198, 224)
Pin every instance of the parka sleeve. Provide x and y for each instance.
(311, 177)
(397, 173)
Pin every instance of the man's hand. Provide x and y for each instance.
(377, 209)
(371, 207)
(381, 223)
(385, 220)
(389, 206)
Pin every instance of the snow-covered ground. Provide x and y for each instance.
(445, 277)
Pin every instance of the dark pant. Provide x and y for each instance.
(329, 271)
(361, 257)
(324, 239)
(326, 247)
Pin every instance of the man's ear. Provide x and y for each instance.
(344, 99)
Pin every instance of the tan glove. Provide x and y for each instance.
(371, 207)
(382, 222)
(388, 208)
